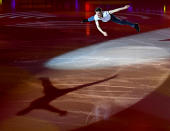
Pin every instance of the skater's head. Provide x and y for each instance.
(99, 12)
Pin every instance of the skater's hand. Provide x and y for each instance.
(105, 34)
(126, 6)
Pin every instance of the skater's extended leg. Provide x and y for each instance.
(124, 22)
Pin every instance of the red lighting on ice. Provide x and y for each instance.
(87, 15)
(87, 6)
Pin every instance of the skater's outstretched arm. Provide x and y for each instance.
(98, 27)
(119, 9)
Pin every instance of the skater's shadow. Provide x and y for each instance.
(51, 93)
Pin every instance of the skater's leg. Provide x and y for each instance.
(125, 22)
(121, 22)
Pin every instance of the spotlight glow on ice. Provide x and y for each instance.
(125, 51)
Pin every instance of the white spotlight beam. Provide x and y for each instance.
(136, 49)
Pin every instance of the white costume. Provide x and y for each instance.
(106, 16)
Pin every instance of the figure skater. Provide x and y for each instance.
(106, 16)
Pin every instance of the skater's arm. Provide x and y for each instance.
(119, 9)
(98, 27)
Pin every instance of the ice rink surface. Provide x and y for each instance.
(59, 74)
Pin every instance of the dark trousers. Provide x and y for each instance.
(121, 22)
(116, 20)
